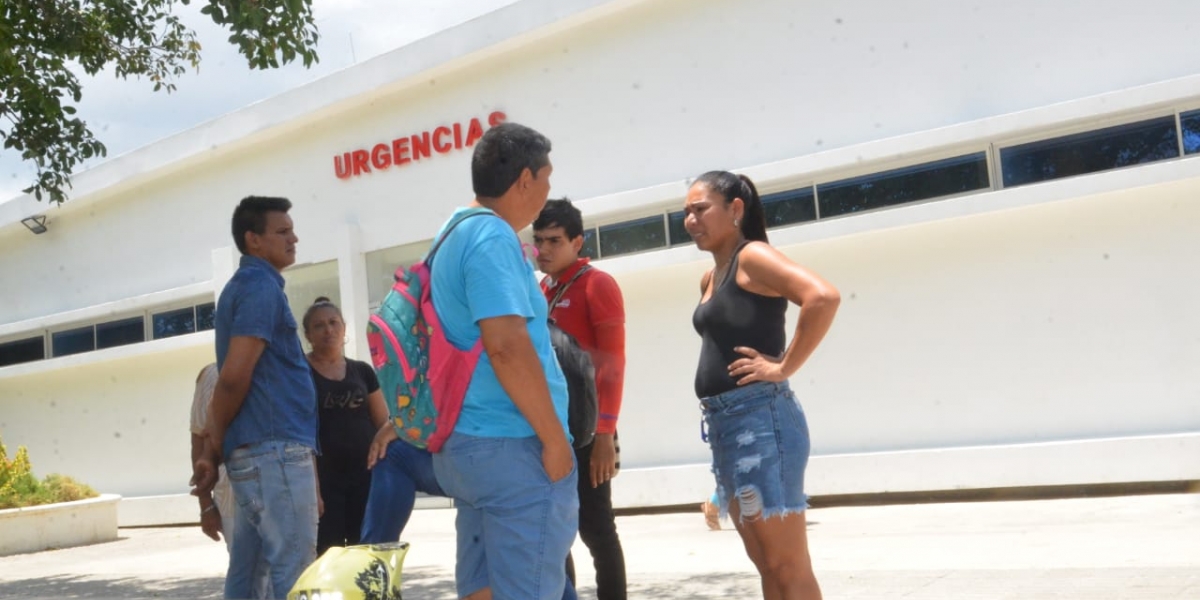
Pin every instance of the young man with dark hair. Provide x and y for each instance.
(508, 464)
(587, 303)
(263, 415)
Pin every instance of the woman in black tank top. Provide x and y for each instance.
(755, 426)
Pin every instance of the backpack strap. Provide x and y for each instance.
(449, 228)
(563, 290)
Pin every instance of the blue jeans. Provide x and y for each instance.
(395, 481)
(275, 529)
(514, 525)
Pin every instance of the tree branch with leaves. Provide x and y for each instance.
(43, 43)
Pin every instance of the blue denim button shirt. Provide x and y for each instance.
(281, 404)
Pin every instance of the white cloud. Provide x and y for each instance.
(126, 114)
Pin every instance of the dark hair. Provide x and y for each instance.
(251, 215)
(754, 220)
(560, 213)
(319, 303)
(502, 154)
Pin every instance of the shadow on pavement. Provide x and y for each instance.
(723, 585)
(428, 583)
(423, 583)
(73, 586)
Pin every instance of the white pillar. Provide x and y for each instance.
(352, 284)
(225, 263)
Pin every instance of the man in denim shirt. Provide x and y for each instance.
(263, 419)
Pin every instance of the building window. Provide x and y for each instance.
(174, 322)
(677, 232)
(381, 269)
(120, 333)
(590, 249)
(910, 184)
(306, 284)
(22, 351)
(73, 341)
(632, 236)
(206, 316)
(1191, 131)
(783, 208)
(1088, 152)
(792, 206)
(183, 320)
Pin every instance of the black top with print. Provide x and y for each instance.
(345, 430)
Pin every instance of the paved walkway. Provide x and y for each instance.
(1133, 547)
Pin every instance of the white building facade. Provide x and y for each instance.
(1006, 194)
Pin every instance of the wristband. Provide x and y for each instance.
(212, 506)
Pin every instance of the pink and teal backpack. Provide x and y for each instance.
(424, 378)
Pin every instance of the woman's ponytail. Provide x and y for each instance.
(754, 221)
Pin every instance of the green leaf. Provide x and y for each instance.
(139, 38)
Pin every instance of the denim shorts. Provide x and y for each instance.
(514, 526)
(760, 446)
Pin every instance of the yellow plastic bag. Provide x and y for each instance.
(366, 572)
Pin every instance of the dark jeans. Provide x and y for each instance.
(598, 530)
(395, 481)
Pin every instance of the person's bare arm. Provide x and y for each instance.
(210, 518)
(385, 432)
(768, 270)
(519, 371)
(377, 409)
(384, 435)
(232, 386)
(317, 481)
(197, 447)
(606, 307)
(609, 359)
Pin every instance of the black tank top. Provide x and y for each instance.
(730, 318)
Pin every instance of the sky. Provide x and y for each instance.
(126, 114)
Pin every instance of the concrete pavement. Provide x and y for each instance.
(1130, 547)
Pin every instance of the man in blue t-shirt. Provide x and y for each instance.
(508, 464)
(263, 415)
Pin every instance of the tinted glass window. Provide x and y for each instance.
(174, 322)
(73, 341)
(632, 236)
(679, 235)
(898, 186)
(1088, 152)
(20, 351)
(589, 249)
(206, 315)
(792, 206)
(119, 333)
(1191, 131)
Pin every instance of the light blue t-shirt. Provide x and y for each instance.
(480, 272)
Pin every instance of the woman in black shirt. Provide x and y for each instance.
(350, 410)
(755, 426)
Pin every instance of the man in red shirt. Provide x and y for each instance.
(590, 308)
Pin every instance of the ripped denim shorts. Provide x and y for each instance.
(759, 441)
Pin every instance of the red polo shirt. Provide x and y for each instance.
(593, 311)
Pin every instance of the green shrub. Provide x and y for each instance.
(19, 487)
